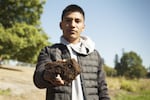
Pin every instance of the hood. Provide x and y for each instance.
(85, 46)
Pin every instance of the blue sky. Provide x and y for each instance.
(114, 25)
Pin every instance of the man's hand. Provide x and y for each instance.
(61, 72)
(59, 80)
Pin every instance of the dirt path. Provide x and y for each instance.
(16, 83)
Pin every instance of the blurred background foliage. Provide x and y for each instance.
(21, 34)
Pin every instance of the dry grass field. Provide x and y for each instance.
(16, 83)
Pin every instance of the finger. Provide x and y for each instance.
(64, 60)
(58, 76)
(59, 79)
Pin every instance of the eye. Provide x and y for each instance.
(78, 20)
(67, 20)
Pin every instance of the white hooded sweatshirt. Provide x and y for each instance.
(85, 47)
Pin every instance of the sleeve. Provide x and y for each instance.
(102, 88)
(43, 58)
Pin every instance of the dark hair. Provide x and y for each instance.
(72, 8)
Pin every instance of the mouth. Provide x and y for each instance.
(72, 31)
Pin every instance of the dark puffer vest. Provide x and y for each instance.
(92, 77)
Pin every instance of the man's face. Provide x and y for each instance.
(72, 25)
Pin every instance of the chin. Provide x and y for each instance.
(73, 37)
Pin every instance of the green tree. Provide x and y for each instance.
(109, 71)
(131, 66)
(136, 71)
(14, 11)
(22, 42)
(117, 66)
(21, 37)
(116, 59)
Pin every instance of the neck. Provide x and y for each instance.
(73, 41)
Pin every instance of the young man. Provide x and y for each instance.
(90, 84)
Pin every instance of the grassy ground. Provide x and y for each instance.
(123, 89)
(16, 83)
(142, 95)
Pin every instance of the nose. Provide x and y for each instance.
(72, 24)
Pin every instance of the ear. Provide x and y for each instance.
(83, 27)
(60, 25)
